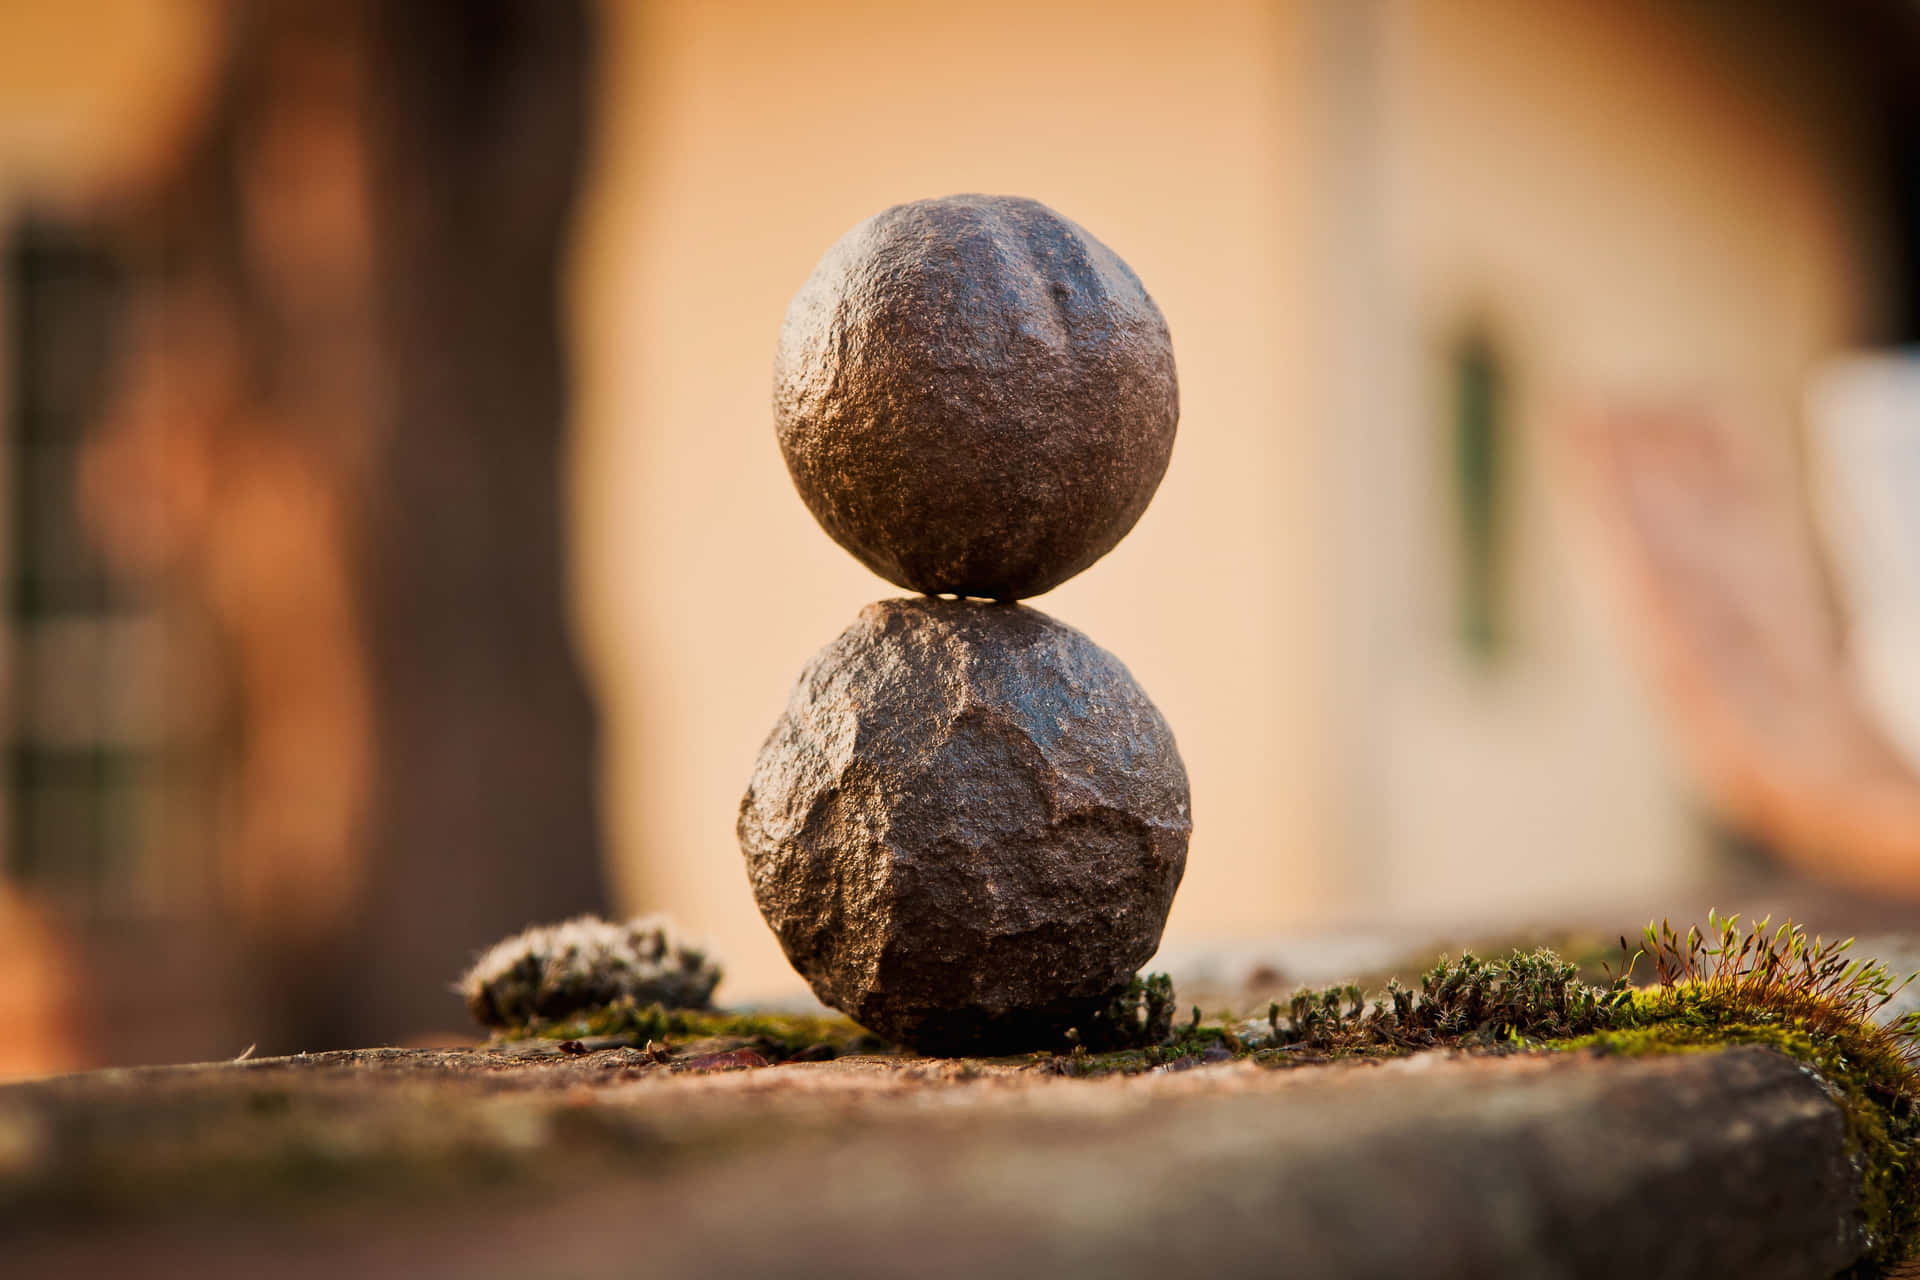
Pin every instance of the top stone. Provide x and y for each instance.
(974, 396)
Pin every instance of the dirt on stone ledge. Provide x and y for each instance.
(531, 1160)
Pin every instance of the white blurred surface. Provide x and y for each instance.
(1863, 413)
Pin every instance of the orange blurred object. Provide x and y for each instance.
(1727, 590)
(37, 1031)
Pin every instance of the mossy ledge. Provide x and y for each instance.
(1880, 1116)
(1807, 999)
(1708, 989)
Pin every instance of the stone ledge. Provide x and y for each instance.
(473, 1163)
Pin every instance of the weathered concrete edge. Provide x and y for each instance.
(1729, 1162)
(1724, 1163)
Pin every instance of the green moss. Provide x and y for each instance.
(1712, 988)
(1464, 1003)
(1189, 1045)
(779, 1036)
(1863, 1066)
(1139, 1016)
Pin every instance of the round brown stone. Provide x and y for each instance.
(968, 825)
(974, 396)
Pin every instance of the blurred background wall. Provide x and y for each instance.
(410, 388)
(1583, 208)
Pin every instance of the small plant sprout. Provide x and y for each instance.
(1771, 975)
(1138, 1017)
(552, 971)
(1809, 998)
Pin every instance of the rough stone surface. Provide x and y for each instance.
(975, 396)
(420, 1164)
(968, 826)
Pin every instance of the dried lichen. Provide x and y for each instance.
(554, 971)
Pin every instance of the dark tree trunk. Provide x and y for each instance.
(483, 803)
(358, 285)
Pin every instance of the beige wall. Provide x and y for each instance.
(1646, 209)
(744, 140)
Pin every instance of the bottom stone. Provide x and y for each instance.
(967, 827)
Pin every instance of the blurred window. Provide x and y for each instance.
(101, 805)
(1479, 446)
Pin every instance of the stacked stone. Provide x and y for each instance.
(968, 825)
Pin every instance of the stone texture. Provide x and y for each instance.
(968, 826)
(425, 1164)
(975, 396)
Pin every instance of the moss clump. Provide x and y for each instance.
(1146, 1037)
(1808, 998)
(780, 1037)
(1533, 995)
(551, 971)
(1139, 1016)
(1466, 1003)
